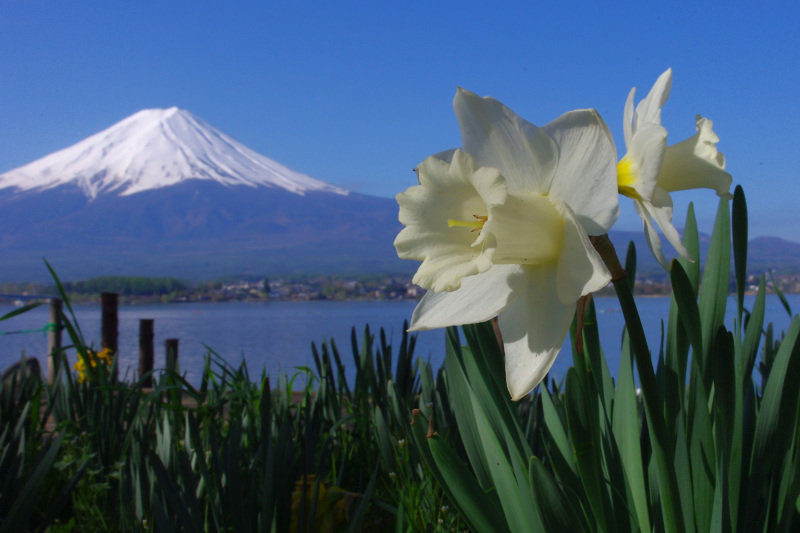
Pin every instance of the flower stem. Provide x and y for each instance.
(662, 451)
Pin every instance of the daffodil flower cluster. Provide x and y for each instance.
(502, 224)
(650, 170)
(80, 365)
(501, 227)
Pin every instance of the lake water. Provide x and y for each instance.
(277, 336)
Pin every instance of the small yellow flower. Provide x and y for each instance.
(80, 368)
(332, 508)
(105, 355)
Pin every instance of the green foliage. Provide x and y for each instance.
(704, 444)
(126, 286)
(701, 446)
(30, 497)
(234, 454)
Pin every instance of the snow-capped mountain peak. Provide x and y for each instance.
(157, 148)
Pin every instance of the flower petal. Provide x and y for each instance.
(580, 268)
(527, 229)
(695, 163)
(447, 191)
(660, 210)
(650, 233)
(479, 299)
(534, 327)
(445, 155)
(585, 178)
(645, 154)
(649, 109)
(497, 137)
(627, 118)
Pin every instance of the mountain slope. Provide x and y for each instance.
(197, 229)
(163, 193)
(157, 148)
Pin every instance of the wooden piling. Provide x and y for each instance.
(146, 350)
(53, 339)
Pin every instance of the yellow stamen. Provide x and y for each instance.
(476, 224)
(626, 177)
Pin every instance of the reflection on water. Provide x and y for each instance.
(277, 336)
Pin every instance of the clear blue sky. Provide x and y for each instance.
(358, 93)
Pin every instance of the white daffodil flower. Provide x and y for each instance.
(651, 169)
(501, 226)
(451, 194)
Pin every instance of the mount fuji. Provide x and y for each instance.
(164, 193)
(157, 148)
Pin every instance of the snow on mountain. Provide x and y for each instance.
(157, 148)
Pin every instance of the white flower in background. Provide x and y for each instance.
(501, 226)
(651, 169)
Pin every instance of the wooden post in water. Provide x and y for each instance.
(53, 339)
(172, 354)
(110, 324)
(146, 350)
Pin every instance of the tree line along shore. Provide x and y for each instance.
(139, 289)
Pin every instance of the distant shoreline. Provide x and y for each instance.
(367, 287)
(135, 301)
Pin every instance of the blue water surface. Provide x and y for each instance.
(276, 337)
